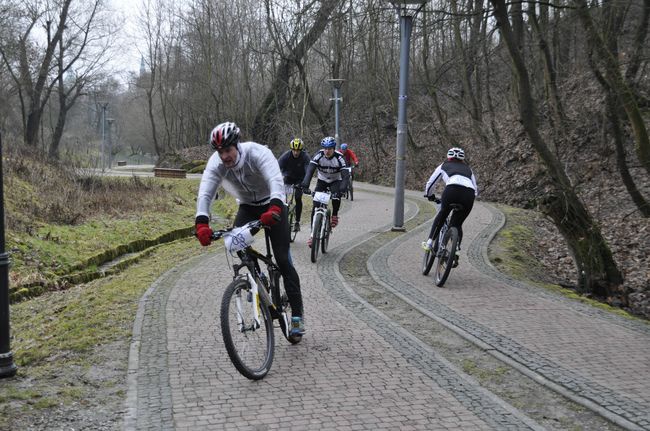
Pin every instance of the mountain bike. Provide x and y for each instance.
(321, 225)
(447, 244)
(251, 302)
(294, 226)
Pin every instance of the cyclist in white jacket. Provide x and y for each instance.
(460, 188)
(250, 172)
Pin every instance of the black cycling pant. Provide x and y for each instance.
(334, 188)
(279, 235)
(453, 194)
(297, 194)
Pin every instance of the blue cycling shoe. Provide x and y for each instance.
(297, 327)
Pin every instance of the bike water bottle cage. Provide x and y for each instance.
(328, 142)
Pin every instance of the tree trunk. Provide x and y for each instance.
(639, 42)
(612, 112)
(550, 76)
(597, 272)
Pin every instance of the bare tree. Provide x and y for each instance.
(596, 268)
(31, 66)
(276, 98)
(617, 83)
(81, 55)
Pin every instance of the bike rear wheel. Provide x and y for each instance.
(249, 344)
(446, 255)
(316, 236)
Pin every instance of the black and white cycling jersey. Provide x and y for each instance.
(329, 170)
(452, 172)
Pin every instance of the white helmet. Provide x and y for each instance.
(456, 153)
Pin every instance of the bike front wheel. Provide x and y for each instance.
(316, 236)
(351, 191)
(327, 230)
(293, 231)
(249, 343)
(446, 255)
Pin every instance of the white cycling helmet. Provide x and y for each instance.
(224, 135)
(456, 153)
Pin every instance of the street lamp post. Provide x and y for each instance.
(104, 106)
(110, 142)
(407, 11)
(7, 366)
(336, 84)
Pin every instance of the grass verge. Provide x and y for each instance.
(516, 248)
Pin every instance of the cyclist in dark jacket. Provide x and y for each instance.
(460, 188)
(293, 164)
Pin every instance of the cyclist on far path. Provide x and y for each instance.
(250, 172)
(293, 164)
(331, 174)
(350, 157)
(460, 188)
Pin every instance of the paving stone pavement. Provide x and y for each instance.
(355, 369)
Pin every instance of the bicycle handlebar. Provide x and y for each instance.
(254, 227)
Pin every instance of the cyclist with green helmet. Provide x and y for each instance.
(293, 164)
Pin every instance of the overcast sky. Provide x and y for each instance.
(129, 58)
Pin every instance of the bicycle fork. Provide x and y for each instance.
(254, 298)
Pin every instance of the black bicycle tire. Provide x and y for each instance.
(292, 232)
(427, 262)
(449, 243)
(325, 240)
(315, 241)
(351, 191)
(249, 371)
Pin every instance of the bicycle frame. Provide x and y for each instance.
(250, 259)
(322, 209)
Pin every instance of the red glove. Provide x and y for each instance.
(271, 216)
(204, 233)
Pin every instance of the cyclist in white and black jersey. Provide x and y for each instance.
(460, 188)
(250, 172)
(331, 175)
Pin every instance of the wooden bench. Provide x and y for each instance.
(169, 173)
(121, 163)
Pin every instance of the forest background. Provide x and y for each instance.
(549, 100)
